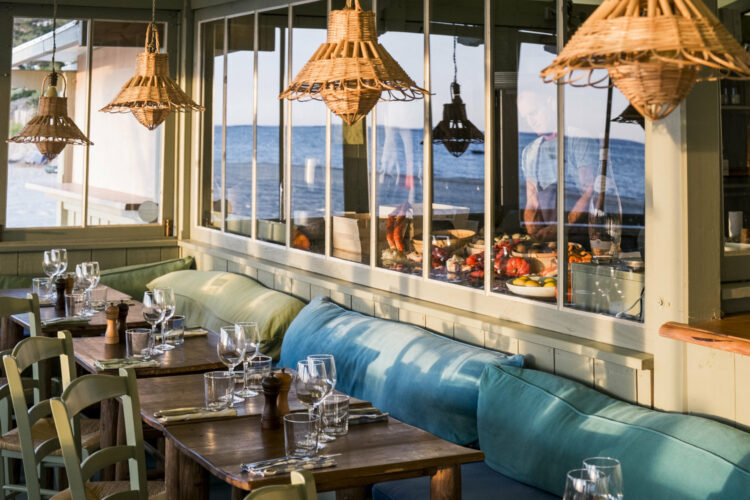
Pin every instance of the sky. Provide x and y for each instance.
(585, 107)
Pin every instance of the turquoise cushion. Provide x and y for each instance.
(421, 378)
(213, 299)
(535, 426)
(132, 280)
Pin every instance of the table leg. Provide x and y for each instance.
(185, 478)
(355, 493)
(110, 408)
(445, 484)
(10, 333)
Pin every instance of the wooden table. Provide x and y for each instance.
(13, 327)
(370, 453)
(196, 355)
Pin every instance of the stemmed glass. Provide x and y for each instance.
(167, 295)
(60, 257)
(312, 384)
(153, 313)
(83, 282)
(610, 471)
(330, 366)
(252, 344)
(231, 350)
(49, 266)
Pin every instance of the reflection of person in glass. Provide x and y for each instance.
(539, 167)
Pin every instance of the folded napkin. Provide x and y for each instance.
(366, 415)
(286, 465)
(70, 320)
(197, 414)
(115, 363)
(194, 332)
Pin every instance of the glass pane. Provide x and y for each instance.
(126, 160)
(400, 132)
(525, 233)
(212, 39)
(272, 40)
(240, 68)
(350, 183)
(42, 192)
(308, 136)
(735, 136)
(604, 198)
(457, 67)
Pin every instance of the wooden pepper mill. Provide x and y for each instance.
(122, 320)
(60, 283)
(271, 418)
(110, 335)
(286, 384)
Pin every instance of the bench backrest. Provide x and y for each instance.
(422, 379)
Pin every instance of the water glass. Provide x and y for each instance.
(40, 286)
(301, 434)
(218, 387)
(99, 298)
(579, 485)
(139, 343)
(176, 330)
(335, 413)
(74, 303)
(610, 470)
(257, 368)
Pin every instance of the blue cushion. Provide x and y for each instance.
(478, 482)
(535, 426)
(421, 378)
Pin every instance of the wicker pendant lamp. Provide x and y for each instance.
(351, 71)
(151, 95)
(654, 50)
(455, 131)
(52, 129)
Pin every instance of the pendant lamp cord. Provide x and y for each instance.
(53, 79)
(455, 64)
(151, 42)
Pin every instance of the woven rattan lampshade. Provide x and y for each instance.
(151, 94)
(654, 50)
(351, 71)
(51, 129)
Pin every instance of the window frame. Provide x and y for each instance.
(485, 303)
(171, 129)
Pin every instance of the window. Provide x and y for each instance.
(123, 181)
(515, 144)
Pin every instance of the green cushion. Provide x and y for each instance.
(213, 299)
(16, 281)
(133, 279)
(535, 426)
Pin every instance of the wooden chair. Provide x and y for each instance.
(34, 439)
(302, 487)
(82, 393)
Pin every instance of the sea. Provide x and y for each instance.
(456, 181)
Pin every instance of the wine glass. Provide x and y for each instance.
(311, 383)
(167, 298)
(330, 365)
(83, 282)
(579, 485)
(252, 344)
(49, 267)
(91, 272)
(231, 351)
(153, 313)
(610, 471)
(60, 257)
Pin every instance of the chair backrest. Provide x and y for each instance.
(82, 393)
(34, 351)
(302, 487)
(11, 305)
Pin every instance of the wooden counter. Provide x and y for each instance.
(727, 334)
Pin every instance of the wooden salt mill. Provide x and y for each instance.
(60, 289)
(271, 418)
(122, 320)
(286, 384)
(110, 335)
